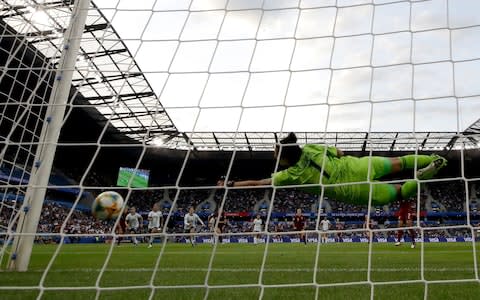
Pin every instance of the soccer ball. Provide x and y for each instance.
(107, 205)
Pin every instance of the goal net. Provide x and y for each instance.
(170, 102)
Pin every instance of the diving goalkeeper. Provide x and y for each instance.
(305, 166)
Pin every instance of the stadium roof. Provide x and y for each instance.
(106, 74)
(347, 141)
(112, 82)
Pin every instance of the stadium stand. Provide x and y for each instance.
(240, 206)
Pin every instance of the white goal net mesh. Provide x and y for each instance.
(182, 93)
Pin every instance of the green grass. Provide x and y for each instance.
(395, 272)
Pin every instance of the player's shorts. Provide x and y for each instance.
(151, 229)
(257, 230)
(121, 229)
(133, 230)
(187, 229)
(300, 228)
(406, 216)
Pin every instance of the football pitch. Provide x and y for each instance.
(341, 270)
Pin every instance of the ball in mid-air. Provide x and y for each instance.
(107, 205)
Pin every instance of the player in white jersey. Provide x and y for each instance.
(325, 225)
(155, 220)
(134, 223)
(368, 224)
(190, 222)
(212, 219)
(257, 227)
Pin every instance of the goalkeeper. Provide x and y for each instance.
(305, 166)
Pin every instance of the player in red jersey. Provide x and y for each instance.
(406, 213)
(299, 225)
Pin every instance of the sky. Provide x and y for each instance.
(290, 65)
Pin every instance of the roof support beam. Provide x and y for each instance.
(91, 55)
(364, 146)
(451, 143)
(129, 115)
(216, 140)
(425, 140)
(16, 13)
(472, 140)
(143, 130)
(394, 142)
(95, 27)
(474, 128)
(108, 78)
(248, 142)
(122, 97)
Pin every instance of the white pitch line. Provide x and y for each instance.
(239, 270)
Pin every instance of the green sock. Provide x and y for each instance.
(408, 161)
(383, 194)
(409, 189)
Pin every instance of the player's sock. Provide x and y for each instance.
(220, 239)
(150, 241)
(134, 240)
(399, 236)
(408, 161)
(412, 235)
(409, 189)
(254, 240)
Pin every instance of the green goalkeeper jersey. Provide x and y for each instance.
(336, 170)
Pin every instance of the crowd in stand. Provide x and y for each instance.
(288, 200)
(52, 218)
(449, 194)
(240, 200)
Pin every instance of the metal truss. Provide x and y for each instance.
(469, 137)
(106, 74)
(109, 81)
(347, 141)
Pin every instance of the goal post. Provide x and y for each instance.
(47, 144)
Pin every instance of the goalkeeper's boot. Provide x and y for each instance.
(398, 244)
(432, 169)
(412, 246)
